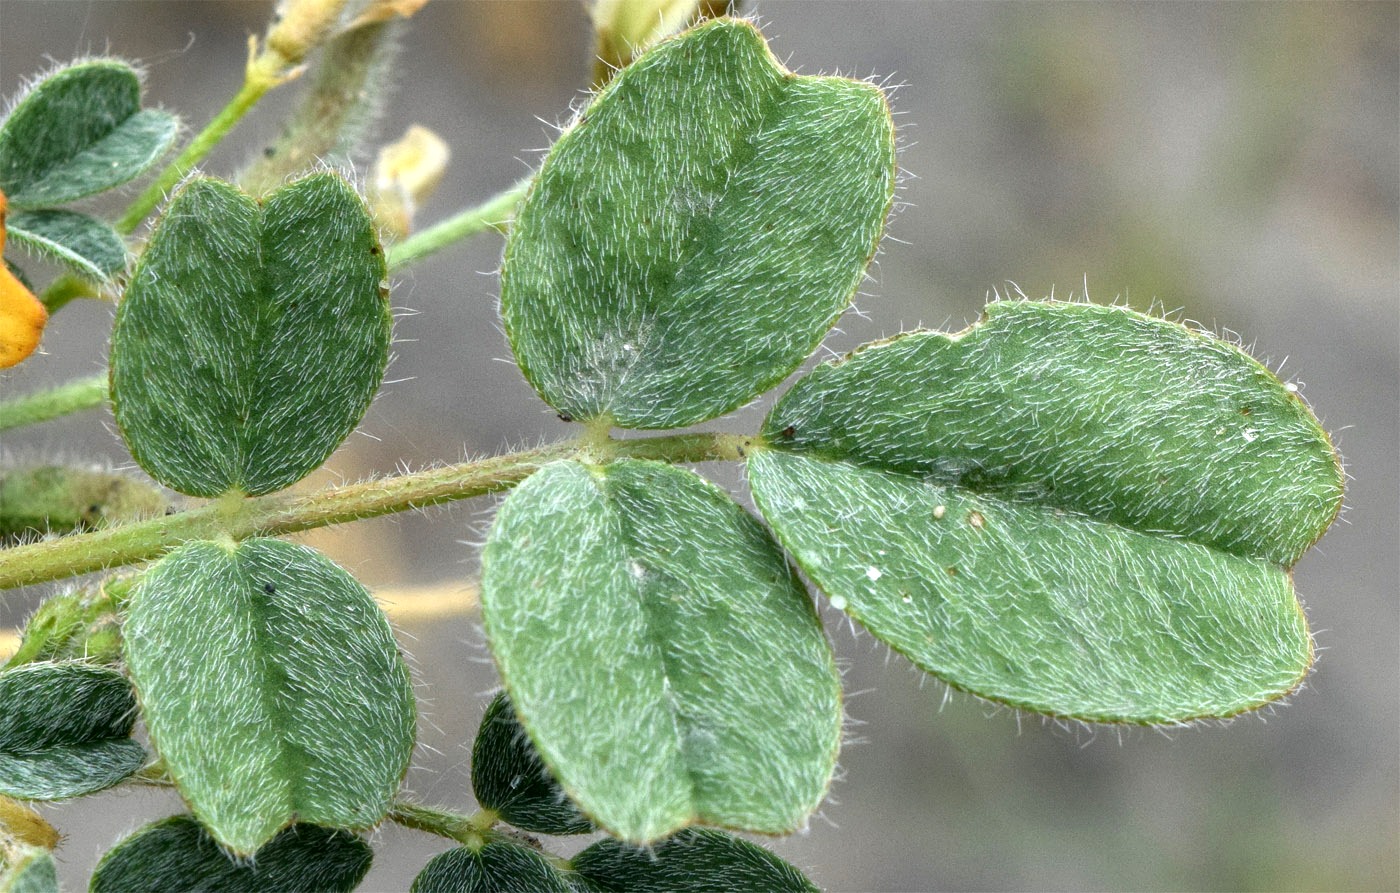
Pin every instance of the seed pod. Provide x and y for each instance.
(56, 499)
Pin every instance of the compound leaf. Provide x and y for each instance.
(177, 854)
(66, 730)
(272, 688)
(78, 132)
(694, 235)
(252, 336)
(1073, 509)
(662, 655)
(497, 867)
(509, 777)
(83, 244)
(694, 861)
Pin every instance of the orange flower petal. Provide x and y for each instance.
(22, 316)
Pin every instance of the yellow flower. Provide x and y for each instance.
(22, 316)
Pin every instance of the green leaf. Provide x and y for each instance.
(694, 861)
(663, 656)
(83, 244)
(498, 867)
(78, 132)
(176, 854)
(271, 686)
(252, 337)
(690, 239)
(509, 777)
(1078, 510)
(28, 870)
(66, 731)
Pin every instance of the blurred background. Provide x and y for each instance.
(1239, 163)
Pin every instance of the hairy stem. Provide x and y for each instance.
(82, 393)
(354, 68)
(469, 831)
(204, 142)
(67, 288)
(282, 513)
(494, 213)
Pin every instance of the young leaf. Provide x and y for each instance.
(688, 242)
(78, 132)
(177, 854)
(28, 870)
(83, 244)
(663, 656)
(498, 867)
(252, 337)
(693, 861)
(272, 688)
(66, 731)
(509, 777)
(1078, 510)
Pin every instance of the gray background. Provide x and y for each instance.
(1235, 162)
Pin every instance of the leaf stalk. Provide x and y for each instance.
(283, 513)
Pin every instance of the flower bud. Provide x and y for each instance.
(626, 27)
(406, 173)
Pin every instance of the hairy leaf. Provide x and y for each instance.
(498, 867)
(78, 132)
(66, 730)
(272, 688)
(693, 861)
(688, 242)
(83, 244)
(663, 656)
(1079, 510)
(177, 854)
(252, 336)
(509, 777)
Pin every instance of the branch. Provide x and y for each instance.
(240, 518)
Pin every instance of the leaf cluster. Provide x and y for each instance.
(1077, 510)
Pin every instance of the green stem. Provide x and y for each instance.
(243, 101)
(83, 393)
(87, 393)
(281, 513)
(64, 289)
(494, 213)
(470, 831)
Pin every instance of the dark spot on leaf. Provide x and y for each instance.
(269, 588)
(1245, 410)
(789, 431)
(565, 417)
(951, 571)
